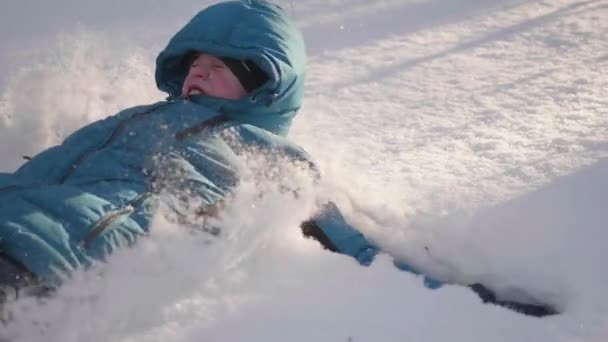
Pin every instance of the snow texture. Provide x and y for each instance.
(469, 138)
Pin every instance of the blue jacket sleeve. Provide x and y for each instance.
(50, 164)
(331, 229)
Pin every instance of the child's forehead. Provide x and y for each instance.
(203, 56)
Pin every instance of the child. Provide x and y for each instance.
(236, 67)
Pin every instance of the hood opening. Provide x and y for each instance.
(243, 30)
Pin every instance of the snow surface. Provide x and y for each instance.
(468, 137)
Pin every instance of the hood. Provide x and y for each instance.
(255, 30)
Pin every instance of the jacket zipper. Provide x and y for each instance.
(108, 219)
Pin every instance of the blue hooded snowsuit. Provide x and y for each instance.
(78, 201)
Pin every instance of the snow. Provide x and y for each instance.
(469, 138)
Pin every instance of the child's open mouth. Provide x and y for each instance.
(194, 90)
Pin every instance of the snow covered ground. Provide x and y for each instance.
(468, 137)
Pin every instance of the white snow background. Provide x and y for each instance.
(468, 137)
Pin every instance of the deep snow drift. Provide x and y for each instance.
(468, 138)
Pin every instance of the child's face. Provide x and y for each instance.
(208, 75)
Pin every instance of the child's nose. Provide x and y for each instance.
(201, 71)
